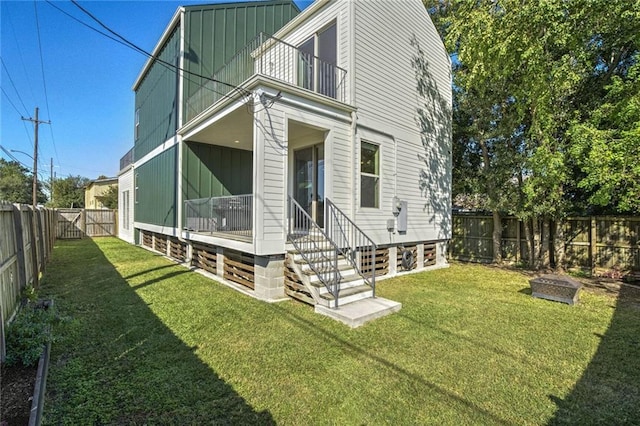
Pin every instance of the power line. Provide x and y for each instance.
(133, 46)
(9, 99)
(14, 86)
(44, 81)
(19, 113)
(155, 58)
(15, 38)
(87, 25)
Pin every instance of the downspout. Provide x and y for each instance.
(352, 101)
(180, 106)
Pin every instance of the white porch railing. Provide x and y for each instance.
(271, 57)
(231, 215)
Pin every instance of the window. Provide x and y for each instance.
(369, 175)
(137, 127)
(125, 209)
(135, 193)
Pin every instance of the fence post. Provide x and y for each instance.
(518, 243)
(17, 221)
(593, 236)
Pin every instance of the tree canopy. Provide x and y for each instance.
(69, 192)
(16, 184)
(546, 105)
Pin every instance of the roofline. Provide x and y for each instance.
(175, 20)
(300, 18)
(93, 182)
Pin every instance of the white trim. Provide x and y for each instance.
(290, 94)
(300, 19)
(166, 230)
(352, 53)
(258, 172)
(179, 175)
(125, 170)
(219, 242)
(181, 71)
(377, 144)
(168, 144)
(175, 20)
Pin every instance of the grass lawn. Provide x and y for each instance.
(148, 341)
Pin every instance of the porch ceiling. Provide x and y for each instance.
(235, 130)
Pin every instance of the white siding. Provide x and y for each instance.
(125, 215)
(385, 76)
(272, 164)
(269, 181)
(397, 49)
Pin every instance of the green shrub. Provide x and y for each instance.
(28, 333)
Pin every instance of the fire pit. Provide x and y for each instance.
(558, 288)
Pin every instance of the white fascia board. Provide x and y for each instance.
(159, 150)
(166, 230)
(246, 247)
(291, 94)
(300, 19)
(156, 51)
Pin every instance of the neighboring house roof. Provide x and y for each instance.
(107, 181)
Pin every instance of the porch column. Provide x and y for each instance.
(269, 277)
(269, 180)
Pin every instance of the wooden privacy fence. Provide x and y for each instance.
(596, 242)
(23, 253)
(78, 223)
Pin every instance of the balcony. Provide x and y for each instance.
(126, 159)
(229, 216)
(273, 58)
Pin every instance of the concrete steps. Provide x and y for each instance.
(355, 305)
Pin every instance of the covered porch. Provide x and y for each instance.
(238, 169)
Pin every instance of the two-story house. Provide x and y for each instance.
(296, 153)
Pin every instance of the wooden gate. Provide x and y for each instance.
(70, 223)
(100, 223)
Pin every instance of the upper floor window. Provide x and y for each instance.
(318, 57)
(137, 124)
(369, 175)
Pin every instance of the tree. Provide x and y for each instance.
(69, 192)
(607, 147)
(528, 77)
(109, 198)
(16, 184)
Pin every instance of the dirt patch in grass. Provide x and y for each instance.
(17, 393)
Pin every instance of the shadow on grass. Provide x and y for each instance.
(609, 389)
(115, 362)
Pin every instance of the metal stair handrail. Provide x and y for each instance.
(301, 234)
(353, 243)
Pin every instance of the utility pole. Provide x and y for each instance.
(34, 228)
(36, 122)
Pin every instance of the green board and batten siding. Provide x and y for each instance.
(156, 100)
(156, 193)
(213, 34)
(213, 171)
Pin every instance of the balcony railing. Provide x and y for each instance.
(232, 215)
(126, 159)
(268, 56)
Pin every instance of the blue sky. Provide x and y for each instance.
(88, 80)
